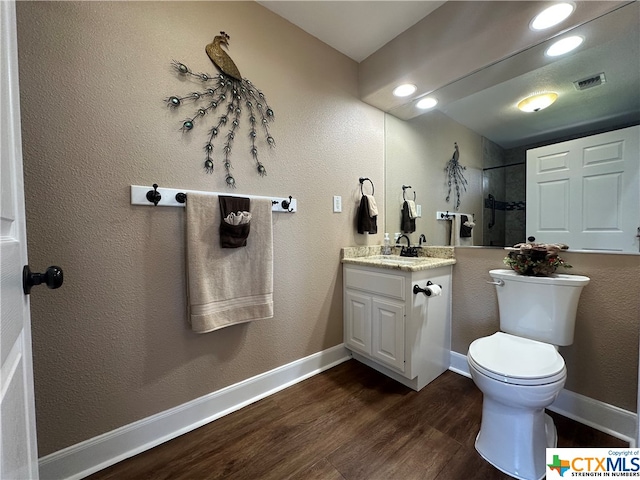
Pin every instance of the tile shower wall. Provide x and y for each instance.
(493, 188)
(515, 205)
(504, 192)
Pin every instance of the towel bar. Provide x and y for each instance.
(174, 197)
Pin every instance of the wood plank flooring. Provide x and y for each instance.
(348, 423)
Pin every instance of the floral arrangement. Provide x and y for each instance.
(539, 259)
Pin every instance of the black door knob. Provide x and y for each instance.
(52, 278)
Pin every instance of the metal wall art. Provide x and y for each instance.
(228, 93)
(454, 176)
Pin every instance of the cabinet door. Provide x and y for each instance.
(388, 332)
(357, 321)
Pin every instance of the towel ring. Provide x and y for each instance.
(362, 180)
(404, 187)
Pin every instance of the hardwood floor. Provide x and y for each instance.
(348, 423)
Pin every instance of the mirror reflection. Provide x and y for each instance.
(598, 87)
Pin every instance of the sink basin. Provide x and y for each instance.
(395, 259)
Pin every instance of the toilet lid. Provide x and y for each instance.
(516, 360)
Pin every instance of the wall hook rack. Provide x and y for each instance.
(153, 195)
(449, 215)
(286, 204)
(173, 197)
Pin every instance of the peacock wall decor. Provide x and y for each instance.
(455, 177)
(228, 93)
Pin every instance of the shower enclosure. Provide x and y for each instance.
(504, 192)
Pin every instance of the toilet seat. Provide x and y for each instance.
(516, 360)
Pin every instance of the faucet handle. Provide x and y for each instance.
(409, 252)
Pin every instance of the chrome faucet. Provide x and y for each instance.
(422, 239)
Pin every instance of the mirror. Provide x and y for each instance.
(478, 113)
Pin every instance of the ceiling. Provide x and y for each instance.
(355, 28)
(358, 29)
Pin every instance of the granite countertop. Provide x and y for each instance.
(371, 256)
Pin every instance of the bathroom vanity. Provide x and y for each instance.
(405, 335)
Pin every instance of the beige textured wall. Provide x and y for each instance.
(602, 363)
(112, 345)
(416, 152)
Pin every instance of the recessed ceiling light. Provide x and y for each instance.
(537, 101)
(564, 46)
(426, 103)
(552, 16)
(404, 90)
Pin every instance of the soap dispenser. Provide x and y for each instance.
(386, 249)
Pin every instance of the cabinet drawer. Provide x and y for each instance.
(392, 286)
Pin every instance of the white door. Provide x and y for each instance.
(586, 192)
(18, 451)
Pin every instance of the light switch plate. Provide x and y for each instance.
(337, 203)
(419, 210)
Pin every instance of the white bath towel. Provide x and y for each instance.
(227, 286)
(413, 213)
(239, 218)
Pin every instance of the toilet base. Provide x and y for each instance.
(515, 440)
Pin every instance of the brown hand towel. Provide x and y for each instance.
(407, 224)
(465, 230)
(366, 223)
(233, 236)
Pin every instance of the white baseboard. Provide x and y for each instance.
(607, 418)
(458, 363)
(90, 456)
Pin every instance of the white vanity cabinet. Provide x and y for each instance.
(404, 335)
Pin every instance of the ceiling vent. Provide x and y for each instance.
(592, 81)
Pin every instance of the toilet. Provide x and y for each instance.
(520, 371)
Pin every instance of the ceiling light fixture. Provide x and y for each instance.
(404, 90)
(426, 103)
(564, 46)
(537, 101)
(552, 16)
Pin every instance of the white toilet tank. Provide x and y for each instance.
(539, 308)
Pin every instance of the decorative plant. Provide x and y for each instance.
(537, 259)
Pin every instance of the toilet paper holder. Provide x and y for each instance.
(426, 291)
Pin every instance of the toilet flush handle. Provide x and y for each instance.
(498, 282)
